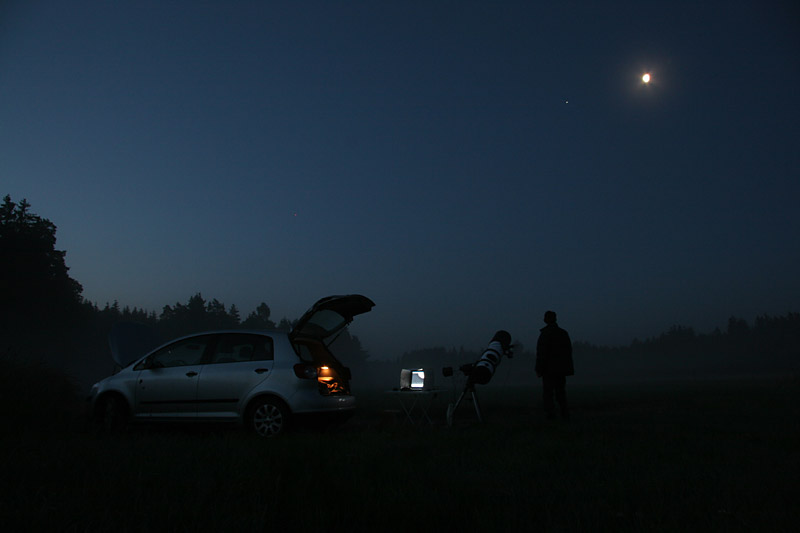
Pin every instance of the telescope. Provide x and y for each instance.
(480, 372)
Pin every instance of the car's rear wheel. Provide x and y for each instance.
(268, 417)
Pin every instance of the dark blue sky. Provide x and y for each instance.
(467, 165)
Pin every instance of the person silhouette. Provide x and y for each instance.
(554, 364)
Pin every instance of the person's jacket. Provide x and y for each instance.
(554, 352)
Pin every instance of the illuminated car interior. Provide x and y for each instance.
(320, 364)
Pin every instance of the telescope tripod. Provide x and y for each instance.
(451, 408)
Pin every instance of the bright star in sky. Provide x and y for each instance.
(646, 78)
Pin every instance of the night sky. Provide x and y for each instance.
(467, 165)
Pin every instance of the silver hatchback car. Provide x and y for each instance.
(258, 378)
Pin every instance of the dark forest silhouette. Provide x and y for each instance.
(770, 346)
(44, 318)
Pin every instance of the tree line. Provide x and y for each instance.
(771, 345)
(44, 317)
(197, 315)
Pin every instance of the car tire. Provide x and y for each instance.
(111, 416)
(268, 417)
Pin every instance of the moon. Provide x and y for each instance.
(646, 78)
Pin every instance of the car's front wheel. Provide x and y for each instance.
(111, 415)
(268, 417)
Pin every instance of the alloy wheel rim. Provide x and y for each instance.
(267, 420)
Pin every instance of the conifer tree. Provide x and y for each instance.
(34, 276)
(37, 295)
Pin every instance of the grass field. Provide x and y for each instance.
(717, 456)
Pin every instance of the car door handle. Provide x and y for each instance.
(261, 370)
(191, 374)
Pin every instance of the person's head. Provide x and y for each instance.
(503, 337)
(550, 317)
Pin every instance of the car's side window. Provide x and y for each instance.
(239, 347)
(182, 353)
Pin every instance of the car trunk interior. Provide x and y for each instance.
(332, 376)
